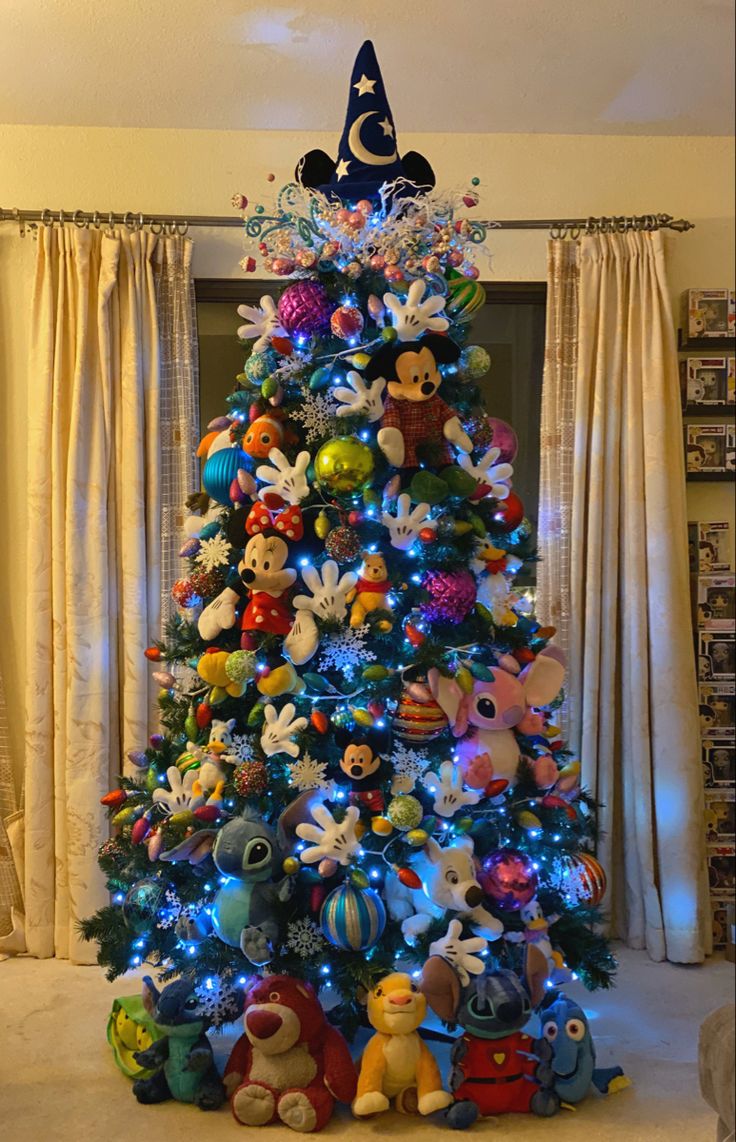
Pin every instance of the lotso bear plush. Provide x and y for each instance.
(291, 1065)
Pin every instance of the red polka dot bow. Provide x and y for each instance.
(287, 521)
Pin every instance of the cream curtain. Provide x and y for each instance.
(94, 549)
(632, 704)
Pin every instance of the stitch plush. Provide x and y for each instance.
(496, 1067)
(291, 1064)
(486, 717)
(449, 882)
(182, 1060)
(565, 1026)
(396, 1063)
(371, 591)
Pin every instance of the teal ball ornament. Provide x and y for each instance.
(142, 902)
(260, 365)
(353, 918)
(219, 472)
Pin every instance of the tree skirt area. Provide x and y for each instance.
(58, 1079)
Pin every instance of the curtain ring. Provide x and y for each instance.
(156, 226)
(47, 218)
(79, 219)
(96, 219)
(62, 218)
(129, 221)
(182, 228)
(171, 228)
(574, 233)
(141, 222)
(555, 231)
(111, 222)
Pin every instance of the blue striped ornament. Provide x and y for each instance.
(353, 918)
(219, 472)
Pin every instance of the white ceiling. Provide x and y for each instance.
(662, 67)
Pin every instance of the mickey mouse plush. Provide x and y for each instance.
(417, 425)
(362, 765)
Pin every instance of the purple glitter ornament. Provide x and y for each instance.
(305, 308)
(508, 877)
(451, 596)
(503, 437)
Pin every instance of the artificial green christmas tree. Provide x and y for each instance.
(359, 765)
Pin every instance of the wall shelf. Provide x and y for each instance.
(710, 477)
(705, 344)
(728, 412)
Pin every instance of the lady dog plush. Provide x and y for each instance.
(290, 1065)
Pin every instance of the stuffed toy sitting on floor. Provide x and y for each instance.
(291, 1064)
(182, 1060)
(396, 1063)
(565, 1026)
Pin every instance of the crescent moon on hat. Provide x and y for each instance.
(362, 154)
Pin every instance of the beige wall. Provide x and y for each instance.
(182, 171)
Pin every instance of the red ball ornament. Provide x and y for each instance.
(304, 307)
(249, 265)
(152, 653)
(377, 262)
(509, 513)
(583, 878)
(346, 321)
(342, 215)
(251, 779)
(364, 205)
(508, 878)
(184, 594)
(356, 220)
(203, 715)
(393, 274)
(207, 584)
(472, 272)
(427, 535)
(343, 544)
(355, 518)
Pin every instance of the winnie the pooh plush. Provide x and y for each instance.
(396, 1063)
(371, 591)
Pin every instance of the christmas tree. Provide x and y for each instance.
(358, 765)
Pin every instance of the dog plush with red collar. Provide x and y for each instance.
(291, 1065)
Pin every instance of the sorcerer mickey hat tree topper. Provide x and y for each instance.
(368, 157)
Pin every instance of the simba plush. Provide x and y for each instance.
(291, 1064)
(371, 591)
(396, 1063)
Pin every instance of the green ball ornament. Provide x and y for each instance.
(464, 298)
(474, 362)
(405, 812)
(389, 333)
(241, 666)
(142, 903)
(343, 719)
(344, 465)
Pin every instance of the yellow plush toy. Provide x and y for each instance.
(396, 1062)
(371, 591)
(212, 667)
(281, 679)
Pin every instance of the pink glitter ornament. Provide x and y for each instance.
(503, 437)
(346, 322)
(304, 307)
(451, 595)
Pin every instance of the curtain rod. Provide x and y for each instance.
(180, 223)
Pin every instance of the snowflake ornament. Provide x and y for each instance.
(304, 938)
(408, 766)
(317, 413)
(308, 773)
(243, 748)
(219, 1000)
(214, 553)
(170, 911)
(345, 650)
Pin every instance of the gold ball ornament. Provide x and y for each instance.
(417, 837)
(344, 465)
(405, 812)
(381, 827)
(290, 866)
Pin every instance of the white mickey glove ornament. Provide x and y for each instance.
(459, 952)
(264, 323)
(361, 398)
(219, 615)
(279, 729)
(330, 840)
(447, 786)
(329, 592)
(412, 317)
(487, 471)
(286, 480)
(181, 794)
(405, 526)
(303, 639)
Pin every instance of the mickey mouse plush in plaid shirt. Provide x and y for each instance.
(417, 425)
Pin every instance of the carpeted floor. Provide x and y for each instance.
(58, 1080)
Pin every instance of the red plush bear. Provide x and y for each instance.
(290, 1064)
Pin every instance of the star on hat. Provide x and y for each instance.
(367, 157)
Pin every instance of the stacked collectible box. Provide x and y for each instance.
(714, 605)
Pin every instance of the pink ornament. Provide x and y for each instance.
(451, 596)
(342, 216)
(470, 200)
(393, 274)
(346, 322)
(249, 265)
(472, 272)
(356, 220)
(365, 206)
(270, 177)
(503, 437)
(330, 249)
(376, 308)
(508, 878)
(455, 258)
(306, 258)
(377, 262)
(304, 307)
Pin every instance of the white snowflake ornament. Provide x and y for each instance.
(304, 938)
(318, 415)
(408, 766)
(345, 650)
(307, 773)
(213, 553)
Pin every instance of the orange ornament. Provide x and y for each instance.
(320, 721)
(152, 653)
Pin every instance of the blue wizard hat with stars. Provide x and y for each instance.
(368, 155)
